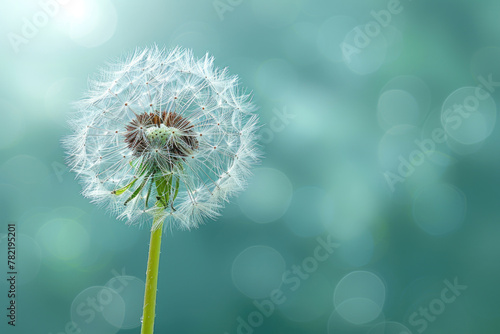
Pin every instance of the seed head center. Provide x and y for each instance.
(166, 131)
(162, 134)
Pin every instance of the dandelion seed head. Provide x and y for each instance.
(161, 133)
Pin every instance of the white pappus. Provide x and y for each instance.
(163, 136)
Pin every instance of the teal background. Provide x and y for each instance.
(349, 124)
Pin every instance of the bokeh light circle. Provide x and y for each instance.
(131, 289)
(389, 327)
(415, 86)
(397, 107)
(257, 271)
(359, 311)
(338, 324)
(98, 310)
(469, 115)
(267, 197)
(63, 239)
(360, 284)
(359, 297)
(92, 23)
(396, 146)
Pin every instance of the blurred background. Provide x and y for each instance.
(375, 210)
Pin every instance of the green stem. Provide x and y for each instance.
(148, 316)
